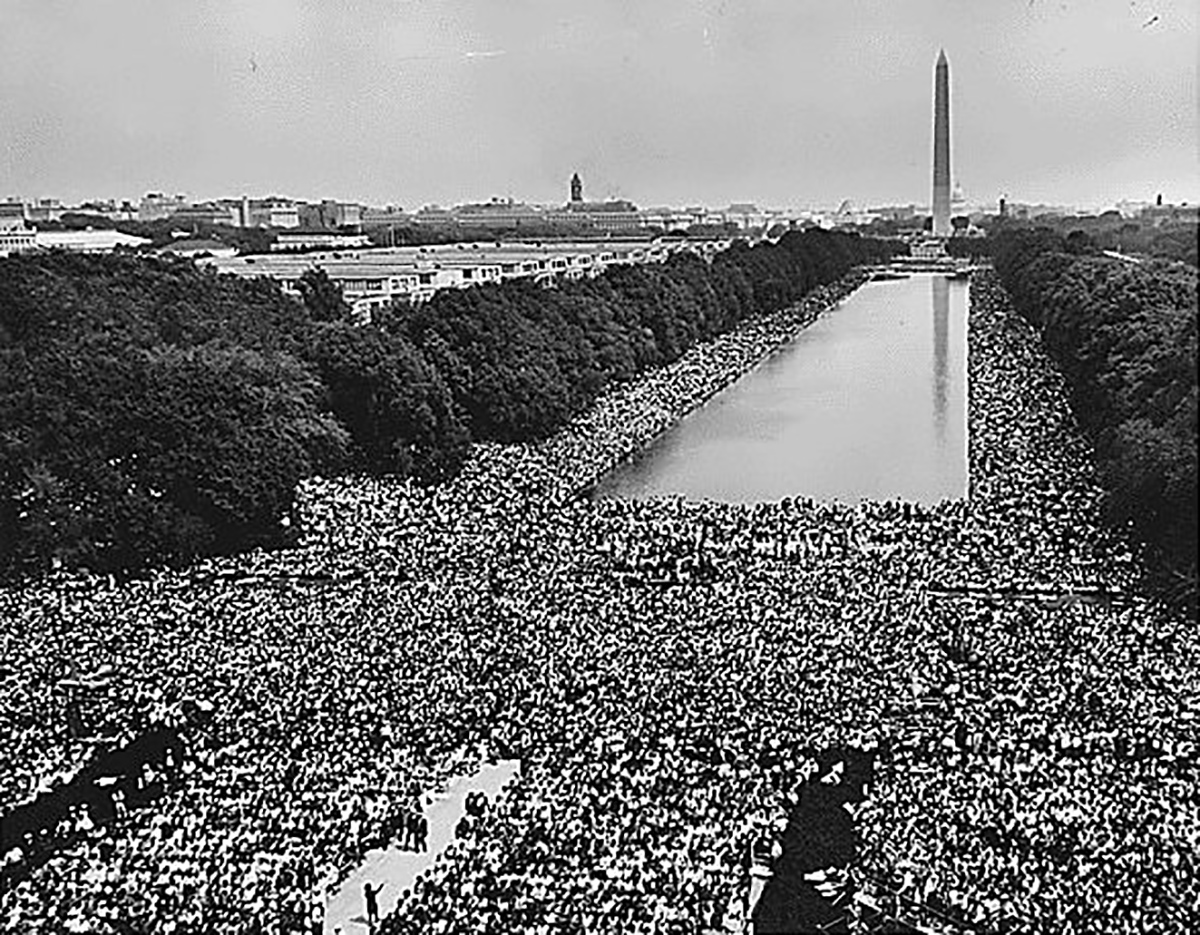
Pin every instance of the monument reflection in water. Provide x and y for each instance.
(867, 403)
(941, 339)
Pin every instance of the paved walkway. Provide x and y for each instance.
(739, 915)
(396, 869)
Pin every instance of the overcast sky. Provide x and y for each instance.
(659, 101)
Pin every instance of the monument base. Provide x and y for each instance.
(929, 248)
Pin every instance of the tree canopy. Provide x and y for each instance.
(155, 411)
(1124, 334)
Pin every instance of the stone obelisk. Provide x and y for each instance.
(941, 147)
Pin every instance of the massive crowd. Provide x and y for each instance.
(665, 671)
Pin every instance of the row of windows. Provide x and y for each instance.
(424, 284)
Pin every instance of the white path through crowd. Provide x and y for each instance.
(394, 870)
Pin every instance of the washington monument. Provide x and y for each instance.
(941, 147)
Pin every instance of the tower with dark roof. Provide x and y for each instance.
(576, 188)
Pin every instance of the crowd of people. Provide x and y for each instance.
(663, 671)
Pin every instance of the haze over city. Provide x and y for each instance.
(662, 103)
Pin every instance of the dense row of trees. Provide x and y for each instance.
(1124, 334)
(520, 359)
(151, 411)
(1171, 240)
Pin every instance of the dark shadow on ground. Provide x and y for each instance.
(820, 834)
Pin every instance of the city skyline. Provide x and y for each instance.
(459, 103)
